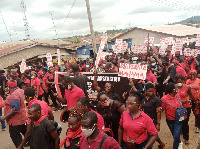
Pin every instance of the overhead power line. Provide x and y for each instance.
(6, 27)
(27, 35)
(65, 19)
(52, 20)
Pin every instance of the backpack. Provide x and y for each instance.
(180, 112)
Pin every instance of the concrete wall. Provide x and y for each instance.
(138, 36)
(15, 57)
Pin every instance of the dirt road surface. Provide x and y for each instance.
(164, 134)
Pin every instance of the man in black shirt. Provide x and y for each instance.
(151, 105)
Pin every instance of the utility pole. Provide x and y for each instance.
(91, 27)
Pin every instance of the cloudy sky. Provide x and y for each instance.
(106, 15)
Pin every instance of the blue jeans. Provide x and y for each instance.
(2, 122)
(176, 129)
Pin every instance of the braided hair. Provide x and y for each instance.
(78, 113)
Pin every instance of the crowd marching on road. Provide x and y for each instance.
(129, 119)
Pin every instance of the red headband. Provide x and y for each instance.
(193, 71)
(14, 75)
(110, 84)
(56, 67)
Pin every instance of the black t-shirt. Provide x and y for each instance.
(40, 135)
(2, 79)
(111, 116)
(81, 82)
(149, 106)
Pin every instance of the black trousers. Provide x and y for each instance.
(15, 133)
(185, 127)
(50, 92)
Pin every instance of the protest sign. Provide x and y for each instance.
(178, 44)
(151, 40)
(117, 48)
(102, 45)
(58, 53)
(198, 40)
(191, 52)
(49, 60)
(120, 83)
(162, 51)
(23, 66)
(133, 71)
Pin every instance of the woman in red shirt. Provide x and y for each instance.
(135, 124)
(194, 83)
(183, 91)
(170, 103)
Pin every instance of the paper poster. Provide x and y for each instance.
(102, 45)
(117, 48)
(162, 51)
(197, 40)
(58, 53)
(23, 66)
(133, 71)
(49, 60)
(191, 52)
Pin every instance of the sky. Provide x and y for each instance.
(106, 15)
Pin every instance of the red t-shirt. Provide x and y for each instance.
(36, 82)
(109, 142)
(195, 87)
(169, 110)
(100, 121)
(45, 108)
(135, 127)
(151, 77)
(12, 85)
(183, 93)
(73, 95)
(45, 80)
(181, 70)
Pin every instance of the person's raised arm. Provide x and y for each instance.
(158, 60)
(95, 84)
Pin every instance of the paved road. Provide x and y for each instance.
(165, 135)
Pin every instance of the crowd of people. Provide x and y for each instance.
(127, 121)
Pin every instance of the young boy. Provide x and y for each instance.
(43, 133)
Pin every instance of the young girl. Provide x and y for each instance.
(74, 133)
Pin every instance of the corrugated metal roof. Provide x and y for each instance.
(9, 47)
(173, 30)
(176, 30)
